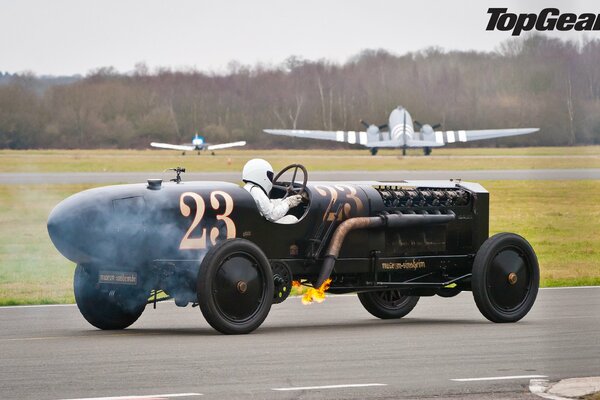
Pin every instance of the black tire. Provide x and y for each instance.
(388, 304)
(506, 278)
(235, 287)
(100, 308)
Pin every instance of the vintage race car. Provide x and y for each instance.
(206, 243)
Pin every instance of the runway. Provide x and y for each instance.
(468, 175)
(329, 350)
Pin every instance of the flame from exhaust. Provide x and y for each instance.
(313, 295)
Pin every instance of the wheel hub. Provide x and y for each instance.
(509, 279)
(242, 287)
(238, 287)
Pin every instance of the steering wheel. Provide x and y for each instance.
(290, 189)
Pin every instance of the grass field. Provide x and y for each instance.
(36, 161)
(560, 218)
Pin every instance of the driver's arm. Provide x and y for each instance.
(270, 209)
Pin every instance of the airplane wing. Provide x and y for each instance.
(225, 145)
(468, 136)
(409, 143)
(181, 147)
(351, 137)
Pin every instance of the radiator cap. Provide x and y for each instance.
(154, 184)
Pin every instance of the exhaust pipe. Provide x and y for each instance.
(393, 221)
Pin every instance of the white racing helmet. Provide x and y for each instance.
(259, 172)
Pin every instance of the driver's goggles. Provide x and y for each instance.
(270, 176)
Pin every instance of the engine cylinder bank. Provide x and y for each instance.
(405, 198)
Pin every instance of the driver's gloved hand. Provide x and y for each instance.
(294, 200)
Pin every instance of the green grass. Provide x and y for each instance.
(561, 219)
(36, 161)
(31, 269)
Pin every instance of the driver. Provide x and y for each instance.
(258, 176)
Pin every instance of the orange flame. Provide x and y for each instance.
(317, 295)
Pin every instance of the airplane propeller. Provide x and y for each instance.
(373, 129)
(427, 132)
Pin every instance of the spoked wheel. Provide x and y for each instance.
(282, 281)
(506, 278)
(106, 308)
(388, 304)
(235, 287)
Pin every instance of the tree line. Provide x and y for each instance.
(527, 82)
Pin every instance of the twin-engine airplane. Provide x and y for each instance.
(401, 134)
(198, 144)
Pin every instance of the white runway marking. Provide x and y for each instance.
(498, 378)
(147, 396)
(355, 385)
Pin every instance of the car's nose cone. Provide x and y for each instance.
(65, 231)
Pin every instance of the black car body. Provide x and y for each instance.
(206, 243)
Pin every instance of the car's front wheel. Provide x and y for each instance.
(115, 308)
(506, 278)
(235, 286)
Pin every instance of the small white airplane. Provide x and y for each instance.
(198, 144)
(401, 134)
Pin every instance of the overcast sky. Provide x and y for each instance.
(64, 37)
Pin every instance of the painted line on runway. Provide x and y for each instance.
(351, 385)
(146, 397)
(498, 378)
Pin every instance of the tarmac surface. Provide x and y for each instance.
(137, 177)
(331, 350)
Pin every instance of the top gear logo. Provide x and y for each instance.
(548, 19)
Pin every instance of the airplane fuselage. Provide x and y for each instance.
(198, 143)
(401, 125)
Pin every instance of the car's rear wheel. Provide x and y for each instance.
(388, 304)
(235, 286)
(114, 308)
(506, 278)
